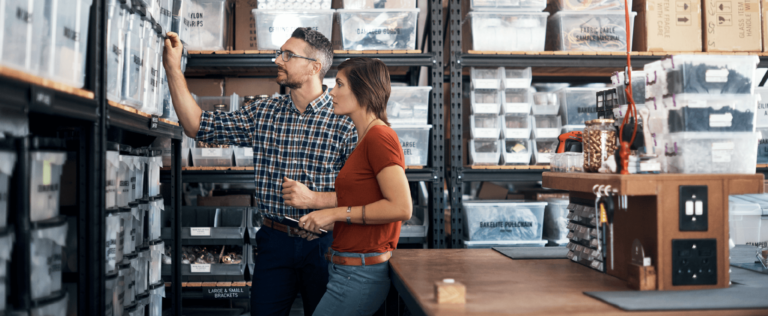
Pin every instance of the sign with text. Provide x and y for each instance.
(226, 292)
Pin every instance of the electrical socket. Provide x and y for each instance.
(694, 262)
(694, 209)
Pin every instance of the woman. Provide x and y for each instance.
(372, 193)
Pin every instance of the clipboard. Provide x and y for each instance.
(295, 224)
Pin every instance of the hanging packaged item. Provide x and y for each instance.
(414, 140)
(156, 295)
(55, 307)
(139, 216)
(602, 31)
(6, 248)
(154, 163)
(114, 239)
(133, 86)
(142, 271)
(119, 297)
(128, 273)
(166, 16)
(7, 163)
(46, 241)
(45, 184)
(600, 146)
(149, 104)
(505, 30)
(516, 151)
(408, 105)
(274, 27)
(117, 12)
(110, 283)
(207, 24)
(140, 167)
(379, 29)
(124, 175)
(156, 253)
(484, 152)
(154, 219)
(503, 220)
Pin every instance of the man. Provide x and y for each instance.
(299, 146)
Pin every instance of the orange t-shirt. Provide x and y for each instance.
(356, 185)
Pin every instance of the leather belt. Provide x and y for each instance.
(291, 231)
(357, 261)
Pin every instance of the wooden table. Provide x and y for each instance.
(499, 285)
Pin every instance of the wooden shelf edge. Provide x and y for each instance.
(45, 83)
(587, 53)
(251, 168)
(128, 109)
(529, 167)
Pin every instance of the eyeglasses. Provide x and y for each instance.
(288, 55)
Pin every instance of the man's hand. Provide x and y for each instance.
(297, 195)
(307, 235)
(172, 53)
(316, 220)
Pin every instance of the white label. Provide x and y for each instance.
(200, 268)
(486, 133)
(200, 231)
(517, 158)
(720, 120)
(487, 108)
(547, 133)
(722, 146)
(212, 152)
(516, 108)
(517, 83)
(486, 83)
(717, 75)
(650, 166)
(248, 152)
(646, 261)
(517, 133)
(721, 156)
(544, 157)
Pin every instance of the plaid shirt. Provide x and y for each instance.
(309, 148)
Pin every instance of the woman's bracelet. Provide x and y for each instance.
(364, 215)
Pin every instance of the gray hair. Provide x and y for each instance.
(319, 46)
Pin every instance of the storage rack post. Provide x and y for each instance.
(438, 123)
(456, 142)
(98, 77)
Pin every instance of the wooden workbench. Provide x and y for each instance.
(499, 285)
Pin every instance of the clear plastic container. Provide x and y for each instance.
(484, 152)
(156, 295)
(274, 27)
(591, 6)
(517, 77)
(211, 157)
(507, 30)
(140, 166)
(124, 194)
(142, 271)
(600, 145)
(378, 4)
(415, 143)
(602, 31)
(516, 151)
(711, 113)
(516, 126)
(208, 103)
(133, 86)
(126, 218)
(485, 101)
(45, 184)
(575, 162)
(762, 147)
(208, 24)
(45, 253)
(710, 152)
(56, 307)
(166, 15)
(762, 107)
(517, 100)
(379, 29)
(522, 5)
(503, 220)
(744, 219)
(501, 243)
(638, 86)
(149, 99)
(181, 22)
(543, 150)
(41, 51)
(7, 162)
(155, 209)
(545, 103)
(139, 217)
(485, 126)
(408, 105)
(125, 276)
(546, 126)
(112, 229)
(17, 33)
(154, 164)
(243, 157)
(116, 15)
(710, 74)
(156, 253)
(556, 219)
(558, 162)
(578, 105)
(70, 42)
(486, 77)
(306, 5)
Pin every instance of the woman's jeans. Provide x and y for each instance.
(354, 290)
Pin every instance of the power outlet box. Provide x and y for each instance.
(694, 209)
(694, 262)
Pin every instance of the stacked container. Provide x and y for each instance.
(589, 26)
(243, 155)
(367, 25)
(408, 114)
(516, 119)
(210, 155)
(485, 118)
(508, 223)
(275, 24)
(506, 25)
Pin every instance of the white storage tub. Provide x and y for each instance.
(484, 152)
(543, 150)
(591, 6)
(516, 126)
(503, 220)
(578, 105)
(7, 162)
(128, 232)
(507, 30)
(517, 100)
(208, 24)
(521, 5)
(45, 184)
(516, 151)
(601, 31)
(546, 126)
(211, 157)
(289, 5)
(486, 77)
(517, 77)
(711, 152)
(377, 4)
(744, 218)
(702, 74)
(545, 103)
(243, 156)
(45, 253)
(414, 140)
(485, 101)
(379, 29)
(274, 27)
(408, 105)
(485, 126)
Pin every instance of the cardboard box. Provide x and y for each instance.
(490, 191)
(206, 87)
(732, 26)
(225, 200)
(245, 25)
(764, 7)
(661, 26)
(251, 86)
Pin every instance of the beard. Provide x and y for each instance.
(289, 81)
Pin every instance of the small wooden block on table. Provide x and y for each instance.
(450, 292)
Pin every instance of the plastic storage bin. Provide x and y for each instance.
(744, 219)
(527, 5)
(408, 105)
(380, 29)
(762, 107)
(70, 42)
(57, 307)
(484, 152)
(133, 86)
(578, 105)
(762, 147)
(116, 15)
(710, 152)
(546, 126)
(516, 151)
(710, 74)
(378, 4)
(485, 126)
(211, 157)
(274, 27)
(418, 224)
(545, 103)
(17, 33)
(126, 217)
(556, 220)
(46, 241)
(208, 24)
(149, 98)
(140, 167)
(507, 30)
(243, 156)
(154, 163)
(602, 31)
(486, 77)
(517, 77)
(220, 225)
(708, 113)
(142, 271)
(500, 243)
(139, 217)
(113, 242)
(156, 253)
(155, 207)
(485, 101)
(415, 143)
(41, 53)
(204, 272)
(45, 184)
(289, 5)
(7, 162)
(125, 279)
(543, 150)
(156, 295)
(591, 6)
(503, 220)
(517, 100)
(516, 126)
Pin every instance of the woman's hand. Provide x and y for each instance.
(321, 219)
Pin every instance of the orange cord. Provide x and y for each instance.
(631, 109)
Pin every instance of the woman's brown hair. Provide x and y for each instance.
(369, 80)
